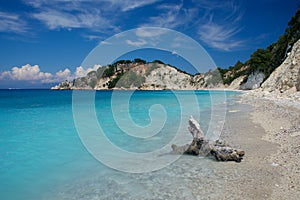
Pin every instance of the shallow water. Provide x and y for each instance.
(42, 155)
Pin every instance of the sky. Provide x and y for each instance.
(43, 42)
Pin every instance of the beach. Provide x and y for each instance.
(269, 134)
(280, 119)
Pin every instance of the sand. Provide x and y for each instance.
(280, 120)
(268, 132)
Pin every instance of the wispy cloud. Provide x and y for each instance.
(97, 16)
(219, 31)
(57, 19)
(68, 14)
(220, 36)
(138, 43)
(213, 23)
(127, 5)
(149, 32)
(169, 17)
(12, 23)
(33, 74)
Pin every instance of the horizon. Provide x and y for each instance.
(45, 42)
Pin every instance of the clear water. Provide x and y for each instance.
(42, 156)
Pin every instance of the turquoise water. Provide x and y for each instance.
(41, 154)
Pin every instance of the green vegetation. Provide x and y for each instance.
(215, 78)
(233, 72)
(100, 71)
(93, 82)
(130, 79)
(126, 80)
(266, 60)
(138, 60)
(152, 67)
(112, 83)
(123, 62)
(109, 71)
(158, 61)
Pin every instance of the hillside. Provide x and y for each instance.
(263, 62)
(139, 74)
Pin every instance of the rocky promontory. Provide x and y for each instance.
(142, 75)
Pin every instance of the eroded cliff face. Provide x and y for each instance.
(286, 77)
(149, 76)
(254, 81)
(236, 83)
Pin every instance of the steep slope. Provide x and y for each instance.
(263, 62)
(287, 76)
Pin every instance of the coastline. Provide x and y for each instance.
(280, 118)
(266, 131)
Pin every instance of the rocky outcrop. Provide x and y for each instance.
(236, 83)
(65, 85)
(285, 78)
(166, 77)
(254, 81)
(209, 80)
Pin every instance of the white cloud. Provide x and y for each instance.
(138, 43)
(150, 32)
(94, 15)
(80, 71)
(105, 43)
(170, 17)
(12, 23)
(67, 14)
(34, 74)
(57, 19)
(26, 73)
(127, 5)
(174, 52)
(63, 75)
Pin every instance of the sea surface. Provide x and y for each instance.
(51, 142)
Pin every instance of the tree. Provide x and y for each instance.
(109, 71)
(158, 61)
(138, 60)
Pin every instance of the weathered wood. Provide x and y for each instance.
(218, 150)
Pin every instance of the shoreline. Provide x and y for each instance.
(280, 118)
(268, 170)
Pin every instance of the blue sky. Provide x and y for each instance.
(46, 41)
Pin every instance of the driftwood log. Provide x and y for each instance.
(203, 147)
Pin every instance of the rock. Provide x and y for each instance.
(254, 81)
(286, 76)
(65, 85)
(153, 76)
(236, 83)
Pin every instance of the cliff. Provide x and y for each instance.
(265, 67)
(287, 76)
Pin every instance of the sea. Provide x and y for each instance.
(103, 144)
